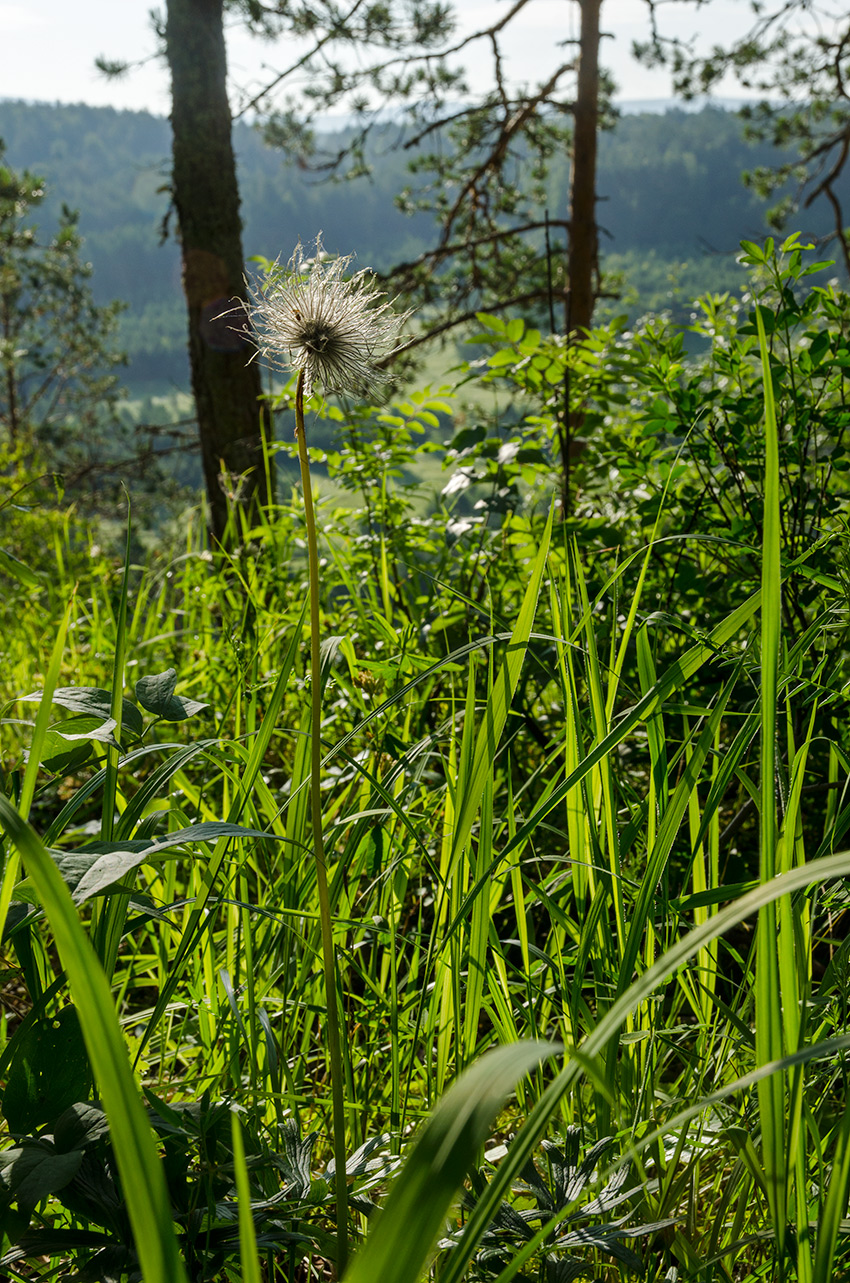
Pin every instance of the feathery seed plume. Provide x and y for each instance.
(310, 318)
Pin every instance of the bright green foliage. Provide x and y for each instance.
(58, 387)
(546, 767)
(62, 433)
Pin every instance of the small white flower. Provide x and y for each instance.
(309, 317)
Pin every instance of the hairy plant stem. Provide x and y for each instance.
(328, 955)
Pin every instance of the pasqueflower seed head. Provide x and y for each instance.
(309, 317)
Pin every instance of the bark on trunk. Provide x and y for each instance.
(582, 214)
(225, 383)
(583, 249)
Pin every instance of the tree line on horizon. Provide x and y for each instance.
(672, 209)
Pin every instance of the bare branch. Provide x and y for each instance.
(844, 138)
(333, 33)
(403, 60)
(436, 256)
(497, 155)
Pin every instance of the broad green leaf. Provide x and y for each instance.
(93, 868)
(31, 1172)
(491, 322)
(62, 756)
(80, 1125)
(93, 701)
(156, 694)
(68, 744)
(49, 1072)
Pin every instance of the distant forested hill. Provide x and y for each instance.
(672, 207)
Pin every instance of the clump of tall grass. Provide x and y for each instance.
(580, 820)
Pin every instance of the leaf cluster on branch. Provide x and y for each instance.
(796, 55)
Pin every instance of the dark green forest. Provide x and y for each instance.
(673, 209)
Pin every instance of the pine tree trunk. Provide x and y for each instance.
(582, 213)
(226, 384)
(583, 249)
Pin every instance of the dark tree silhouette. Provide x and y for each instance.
(583, 259)
(225, 380)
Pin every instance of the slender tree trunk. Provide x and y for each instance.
(226, 384)
(582, 214)
(583, 250)
(11, 381)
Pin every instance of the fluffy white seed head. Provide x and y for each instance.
(308, 317)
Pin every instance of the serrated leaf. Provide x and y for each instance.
(156, 694)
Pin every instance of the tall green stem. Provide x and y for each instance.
(334, 1040)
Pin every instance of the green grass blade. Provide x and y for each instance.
(247, 1235)
(831, 1225)
(110, 786)
(768, 1016)
(43, 714)
(141, 1173)
(667, 831)
(196, 918)
(831, 868)
(42, 719)
(471, 786)
(113, 914)
(675, 676)
(399, 1245)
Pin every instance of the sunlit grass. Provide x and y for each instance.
(552, 810)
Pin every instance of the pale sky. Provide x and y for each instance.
(49, 47)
